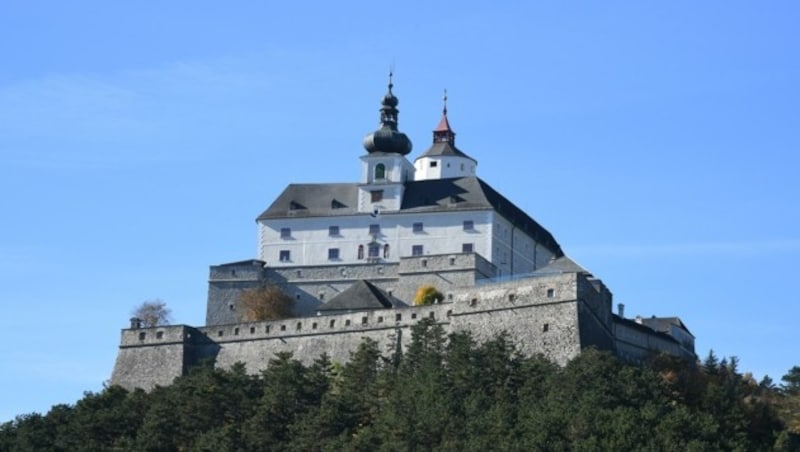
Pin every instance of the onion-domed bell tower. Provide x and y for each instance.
(384, 169)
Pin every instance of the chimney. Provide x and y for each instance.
(621, 310)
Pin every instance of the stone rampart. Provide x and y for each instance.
(542, 315)
(152, 356)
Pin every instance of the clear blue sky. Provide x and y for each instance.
(658, 142)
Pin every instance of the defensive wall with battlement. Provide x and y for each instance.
(553, 315)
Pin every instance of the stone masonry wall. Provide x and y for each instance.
(313, 285)
(151, 356)
(541, 315)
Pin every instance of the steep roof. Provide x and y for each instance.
(361, 295)
(314, 200)
(433, 195)
(444, 148)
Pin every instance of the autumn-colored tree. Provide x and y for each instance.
(266, 303)
(153, 313)
(427, 294)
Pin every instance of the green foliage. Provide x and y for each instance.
(791, 381)
(443, 393)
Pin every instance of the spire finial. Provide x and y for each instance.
(443, 132)
(388, 138)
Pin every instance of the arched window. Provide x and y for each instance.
(380, 171)
(361, 251)
(386, 251)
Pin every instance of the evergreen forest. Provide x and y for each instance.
(447, 393)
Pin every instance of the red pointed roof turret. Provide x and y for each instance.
(443, 133)
(444, 139)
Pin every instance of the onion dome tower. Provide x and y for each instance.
(388, 139)
(443, 160)
(385, 169)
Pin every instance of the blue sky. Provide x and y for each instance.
(138, 142)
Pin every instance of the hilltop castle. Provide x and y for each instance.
(354, 254)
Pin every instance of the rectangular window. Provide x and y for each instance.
(284, 255)
(434, 164)
(374, 250)
(376, 195)
(374, 229)
(469, 225)
(333, 231)
(417, 227)
(333, 254)
(416, 250)
(466, 248)
(286, 233)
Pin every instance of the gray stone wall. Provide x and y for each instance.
(554, 315)
(313, 285)
(636, 343)
(151, 356)
(541, 315)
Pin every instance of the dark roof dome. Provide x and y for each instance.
(389, 100)
(388, 139)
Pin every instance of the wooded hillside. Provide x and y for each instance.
(444, 393)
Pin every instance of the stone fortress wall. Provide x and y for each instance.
(314, 285)
(553, 315)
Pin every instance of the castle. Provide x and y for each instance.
(352, 255)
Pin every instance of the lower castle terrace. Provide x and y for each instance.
(352, 256)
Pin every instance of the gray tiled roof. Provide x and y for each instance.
(434, 195)
(362, 295)
(314, 200)
(444, 148)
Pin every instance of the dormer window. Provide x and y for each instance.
(380, 171)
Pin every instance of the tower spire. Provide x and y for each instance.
(443, 133)
(387, 138)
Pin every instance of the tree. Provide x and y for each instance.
(791, 381)
(266, 303)
(153, 313)
(427, 294)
